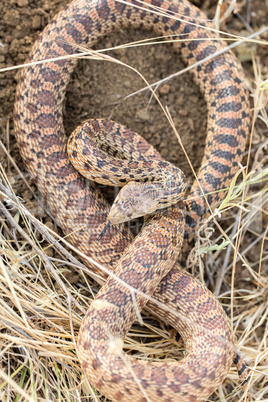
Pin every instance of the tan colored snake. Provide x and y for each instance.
(81, 211)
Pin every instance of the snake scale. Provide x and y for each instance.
(109, 153)
(147, 264)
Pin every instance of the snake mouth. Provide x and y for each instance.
(117, 216)
(116, 219)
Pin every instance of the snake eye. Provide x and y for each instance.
(129, 215)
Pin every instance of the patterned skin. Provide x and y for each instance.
(82, 212)
(109, 153)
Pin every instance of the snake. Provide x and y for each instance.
(144, 272)
(109, 153)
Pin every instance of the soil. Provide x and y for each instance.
(98, 89)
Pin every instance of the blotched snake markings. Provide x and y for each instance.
(147, 263)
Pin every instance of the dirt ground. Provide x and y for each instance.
(97, 89)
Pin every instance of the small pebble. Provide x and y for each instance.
(164, 89)
(142, 115)
(36, 22)
(183, 113)
(22, 3)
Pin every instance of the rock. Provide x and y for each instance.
(22, 3)
(164, 89)
(36, 22)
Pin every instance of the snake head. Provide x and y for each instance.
(135, 199)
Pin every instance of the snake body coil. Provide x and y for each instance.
(149, 183)
(81, 211)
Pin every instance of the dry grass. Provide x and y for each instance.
(45, 290)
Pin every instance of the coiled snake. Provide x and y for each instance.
(81, 211)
